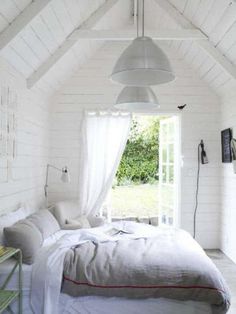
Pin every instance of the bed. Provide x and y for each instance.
(42, 281)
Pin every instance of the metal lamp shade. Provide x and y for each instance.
(143, 63)
(134, 98)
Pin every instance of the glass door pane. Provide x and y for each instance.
(168, 165)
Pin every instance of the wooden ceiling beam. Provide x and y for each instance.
(116, 35)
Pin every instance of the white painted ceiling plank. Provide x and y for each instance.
(94, 18)
(180, 4)
(174, 13)
(191, 8)
(22, 20)
(229, 39)
(9, 10)
(208, 47)
(43, 32)
(220, 80)
(183, 34)
(53, 24)
(64, 19)
(22, 49)
(22, 4)
(207, 64)
(202, 12)
(185, 46)
(17, 62)
(212, 74)
(35, 43)
(216, 12)
(218, 57)
(231, 53)
(226, 21)
(3, 23)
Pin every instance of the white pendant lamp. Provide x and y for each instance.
(134, 98)
(143, 63)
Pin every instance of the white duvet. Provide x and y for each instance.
(48, 269)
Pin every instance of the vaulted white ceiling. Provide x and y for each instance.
(45, 40)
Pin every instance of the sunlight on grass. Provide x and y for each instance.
(135, 201)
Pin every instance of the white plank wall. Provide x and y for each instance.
(27, 171)
(228, 184)
(90, 88)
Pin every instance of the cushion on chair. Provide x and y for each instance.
(81, 221)
(65, 210)
(67, 214)
(96, 221)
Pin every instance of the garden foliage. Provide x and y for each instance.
(139, 163)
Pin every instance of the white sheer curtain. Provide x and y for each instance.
(104, 137)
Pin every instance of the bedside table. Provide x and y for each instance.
(7, 296)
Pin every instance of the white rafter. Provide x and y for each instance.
(21, 21)
(94, 18)
(113, 35)
(207, 46)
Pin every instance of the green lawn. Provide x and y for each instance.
(135, 201)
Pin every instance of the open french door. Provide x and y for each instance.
(169, 171)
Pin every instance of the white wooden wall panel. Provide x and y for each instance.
(90, 88)
(228, 184)
(28, 169)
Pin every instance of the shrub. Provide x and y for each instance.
(139, 163)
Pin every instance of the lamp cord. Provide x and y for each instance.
(197, 190)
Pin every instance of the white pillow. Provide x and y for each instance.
(10, 219)
(80, 222)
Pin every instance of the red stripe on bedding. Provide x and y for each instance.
(140, 287)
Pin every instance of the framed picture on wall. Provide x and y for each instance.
(226, 136)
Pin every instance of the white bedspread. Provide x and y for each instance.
(48, 269)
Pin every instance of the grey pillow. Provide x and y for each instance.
(45, 222)
(25, 236)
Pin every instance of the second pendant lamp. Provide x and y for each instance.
(135, 98)
(142, 63)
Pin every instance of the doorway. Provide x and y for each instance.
(147, 181)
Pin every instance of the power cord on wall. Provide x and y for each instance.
(201, 159)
